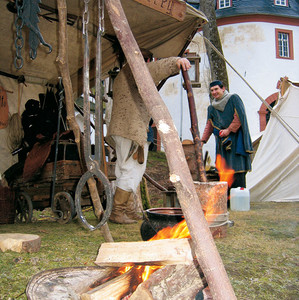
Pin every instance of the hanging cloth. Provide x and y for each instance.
(4, 111)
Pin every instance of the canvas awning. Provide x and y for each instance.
(160, 33)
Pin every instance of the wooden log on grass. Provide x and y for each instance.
(20, 242)
(205, 248)
(66, 283)
(157, 252)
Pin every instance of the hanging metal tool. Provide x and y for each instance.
(58, 212)
(93, 164)
(27, 14)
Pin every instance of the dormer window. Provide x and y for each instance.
(224, 4)
(281, 2)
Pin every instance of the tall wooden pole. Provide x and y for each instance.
(205, 248)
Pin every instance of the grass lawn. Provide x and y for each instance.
(260, 252)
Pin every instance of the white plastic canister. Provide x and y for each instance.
(239, 199)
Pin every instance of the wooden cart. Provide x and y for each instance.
(36, 193)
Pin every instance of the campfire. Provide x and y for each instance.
(163, 267)
(139, 260)
(171, 247)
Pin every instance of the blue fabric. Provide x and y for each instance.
(150, 134)
(240, 145)
(236, 147)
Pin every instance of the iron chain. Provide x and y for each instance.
(19, 41)
(85, 18)
(101, 17)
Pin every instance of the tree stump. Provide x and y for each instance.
(19, 242)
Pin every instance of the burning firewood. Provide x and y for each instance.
(171, 283)
(115, 288)
(157, 252)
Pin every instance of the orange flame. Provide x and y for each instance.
(178, 231)
(225, 173)
(181, 230)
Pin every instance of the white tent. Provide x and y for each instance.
(275, 168)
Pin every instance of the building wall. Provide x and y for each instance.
(250, 48)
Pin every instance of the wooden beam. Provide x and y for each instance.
(157, 252)
(205, 248)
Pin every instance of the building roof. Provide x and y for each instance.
(256, 7)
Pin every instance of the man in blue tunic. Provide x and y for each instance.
(227, 121)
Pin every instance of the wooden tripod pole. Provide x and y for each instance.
(205, 248)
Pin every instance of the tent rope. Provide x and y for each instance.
(280, 119)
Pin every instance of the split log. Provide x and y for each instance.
(66, 283)
(171, 283)
(20, 242)
(205, 248)
(157, 252)
(116, 288)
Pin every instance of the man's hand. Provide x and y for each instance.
(224, 133)
(183, 63)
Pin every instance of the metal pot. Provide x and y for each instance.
(159, 218)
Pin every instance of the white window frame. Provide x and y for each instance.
(281, 2)
(284, 44)
(224, 4)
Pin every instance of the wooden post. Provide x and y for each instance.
(205, 248)
(194, 128)
(62, 60)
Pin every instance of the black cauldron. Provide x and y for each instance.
(159, 218)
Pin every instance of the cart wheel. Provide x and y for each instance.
(24, 208)
(64, 207)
